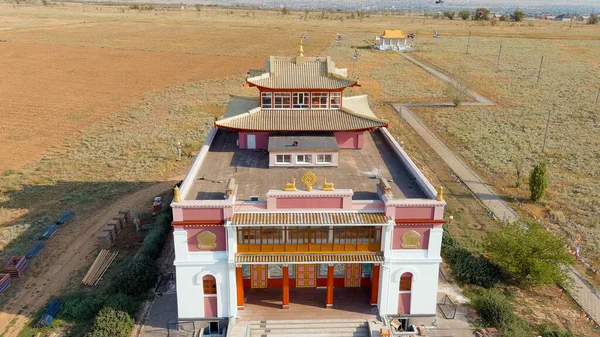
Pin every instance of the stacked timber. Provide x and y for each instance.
(120, 218)
(35, 250)
(48, 316)
(16, 266)
(99, 267)
(5, 282)
(127, 214)
(104, 239)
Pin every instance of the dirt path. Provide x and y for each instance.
(69, 250)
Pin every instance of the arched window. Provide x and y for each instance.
(209, 284)
(406, 282)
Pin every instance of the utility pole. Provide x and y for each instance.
(571, 25)
(540, 71)
(546, 134)
(468, 41)
(597, 96)
(499, 52)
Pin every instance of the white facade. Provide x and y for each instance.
(392, 44)
(190, 268)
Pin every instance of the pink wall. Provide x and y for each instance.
(414, 213)
(203, 214)
(262, 139)
(399, 230)
(193, 232)
(350, 140)
(404, 303)
(210, 306)
(336, 202)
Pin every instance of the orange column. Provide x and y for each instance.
(329, 303)
(285, 287)
(374, 284)
(239, 282)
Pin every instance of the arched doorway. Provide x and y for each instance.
(405, 293)
(209, 285)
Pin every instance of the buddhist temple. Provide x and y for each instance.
(301, 189)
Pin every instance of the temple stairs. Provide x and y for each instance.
(312, 328)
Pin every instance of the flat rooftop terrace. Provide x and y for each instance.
(357, 170)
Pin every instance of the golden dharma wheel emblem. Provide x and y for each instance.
(309, 179)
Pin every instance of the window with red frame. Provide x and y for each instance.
(210, 285)
(406, 282)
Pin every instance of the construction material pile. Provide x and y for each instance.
(35, 250)
(113, 227)
(50, 313)
(16, 266)
(99, 267)
(5, 282)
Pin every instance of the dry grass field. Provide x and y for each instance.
(492, 137)
(94, 99)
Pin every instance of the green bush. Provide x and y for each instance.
(112, 323)
(155, 240)
(81, 306)
(122, 302)
(466, 267)
(472, 269)
(538, 181)
(529, 254)
(137, 277)
(548, 330)
(494, 309)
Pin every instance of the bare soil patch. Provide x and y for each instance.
(50, 92)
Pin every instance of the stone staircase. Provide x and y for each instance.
(312, 328)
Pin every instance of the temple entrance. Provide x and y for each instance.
(258, 275)
(307, 303)
(306, 275)
(352, 275)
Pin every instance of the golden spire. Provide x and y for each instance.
(176, 196)
(300, 50)
(440, 194)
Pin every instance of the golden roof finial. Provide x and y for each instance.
(176, 195)
(440, 194)
(300, 50)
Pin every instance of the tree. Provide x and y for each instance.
(518, 15)
(538, 181)
(481, 14)
(529, 253)
(112, 323)
(285, 10)
(450, 15)
(519, 170)
(593, 20)
(503, 17)
(464, 14)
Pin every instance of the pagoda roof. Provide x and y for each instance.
(393, 34)
(354, 115)
(300, 73)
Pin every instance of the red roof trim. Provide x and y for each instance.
(419, 222)
(198, 223)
